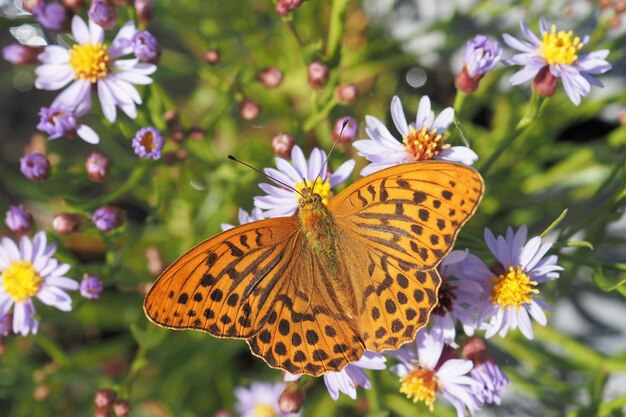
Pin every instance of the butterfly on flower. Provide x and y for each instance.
(312, 292)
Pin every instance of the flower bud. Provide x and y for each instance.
(155, 261)
(66, 223)
(91, 287)
(52, 16)
(177, 134)
(249, 109)
(102, 412)
(18, 220)
(622, 117)
(102, 12)
(318, 74)
(223, 413)
(35, 166)
(18, 54)
(212, 56)
(171, 118)
(465, 82)
(282, 145)
(41, 392)
(283, 7)
(346, 94)
(97, 166)
(145, 9)
(348, 133)
(545, 83)
(104, 398)
(30, 5)
(121, 408)
(196, 133)
(107, 218)
(291, 399)
(74, 5)
(270, 77)
(474, 348)
(146, 47)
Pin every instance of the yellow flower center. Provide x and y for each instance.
(147, 141)
(560, 47)
(89, 61)
(423, 144)
(513, 288)
(420, 385)
(21, 281)
(264, 410)
(321, 187)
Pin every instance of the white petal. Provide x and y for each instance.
(54, 54)
(62, 282)
(73, 95)
(342, 173)
(88, 134)
(11, 249)
(444, 119)
(424, 114)
(397, 115)
(134, 77)
(80, 30)
(525, 74)
(122, 43)
(107, 102)
(96, 32)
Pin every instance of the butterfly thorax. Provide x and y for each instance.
(317, 225)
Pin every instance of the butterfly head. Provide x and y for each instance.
(310, 200)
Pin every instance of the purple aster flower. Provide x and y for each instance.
(91, 287)
(18, 220)
(425, 374)
(481, 56)
(244, 217)
(35, 166)
(30, 270)
(301, 173)
(102, 12)
(261, 399)
(90, 63)
(556, 55)
(57, 122)
(148, 143)
(421, 140)
(107, 218)
(146, 47)
(52, 16)
(351, 377)
(510, 285)
(18, 54)
(348, 133)
(457, 300)
(485, 371)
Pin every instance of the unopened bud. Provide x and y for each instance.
(346, 94)
(155, 261)
(318, 74)
(121, 408)
(348, 133)
(30, 5)
(282, 145)
(171, 118)
(545, 83)
(104, 398)
(66, 223)
(97, 166)
(465, 82)
(41, 392)
(270, 77)
(223, 413)
(474, 348)
(18, 54)
(103, 412)
(145, 9)
(102, 12)
(35, 166)
(622, 117)
(212, 56)
(107, 218)
(249, 109)
(18, 220)
(177, 134)
(196, 133)
(74, 5)
(291, 399)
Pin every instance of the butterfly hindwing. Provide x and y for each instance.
(225, 285)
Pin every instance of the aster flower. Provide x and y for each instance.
(148, 143)
(244, 217)
(91, 63)
(481, 56)
(27, 271)
(301, 173)
(18, 220)
(102, 12)
(146, 47)
(510, 286)
(57, 122)
(107, 218)
(91, 287)
(425, 374)
(261, 399)
(52, 16)
(421, 140)
(35, 166)
(349, 378)
(485, 371)
(457, 300)
(556, 55)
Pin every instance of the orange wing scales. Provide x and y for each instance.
(261, 282)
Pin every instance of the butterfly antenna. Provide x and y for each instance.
(343, 126)
(232, 158)
(460, 129)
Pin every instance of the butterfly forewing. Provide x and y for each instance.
(226, 285)
(410, 212)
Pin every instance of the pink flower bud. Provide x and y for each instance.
(66, 223)
(282, 145)
(270, 77)
(348, 133)
(104, 398)
(346, 94)
(318, 74)
(249, 109)
(212, 56)
(291, 399)
(545, 83)
(97, 166)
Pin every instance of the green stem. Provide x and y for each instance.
(335, 31)
(459, 100)
(484, 169)
(373, 394)
(320, 115)
(52, 350)
(139, 362)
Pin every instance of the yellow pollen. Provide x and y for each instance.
(264, 410)
(423, 144)
(147, 141)
(89, 61)
(420, 385)
(512, 289)
(21, 281)
(560, 47)
(321, 187)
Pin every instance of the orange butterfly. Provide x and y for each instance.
(311, 292)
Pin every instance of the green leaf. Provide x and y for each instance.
(606, 282)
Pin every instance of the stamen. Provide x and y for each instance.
(513, 288)
(560, 47)
(21, 281)
(420, 385)
(89, 61)
(423, 144)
